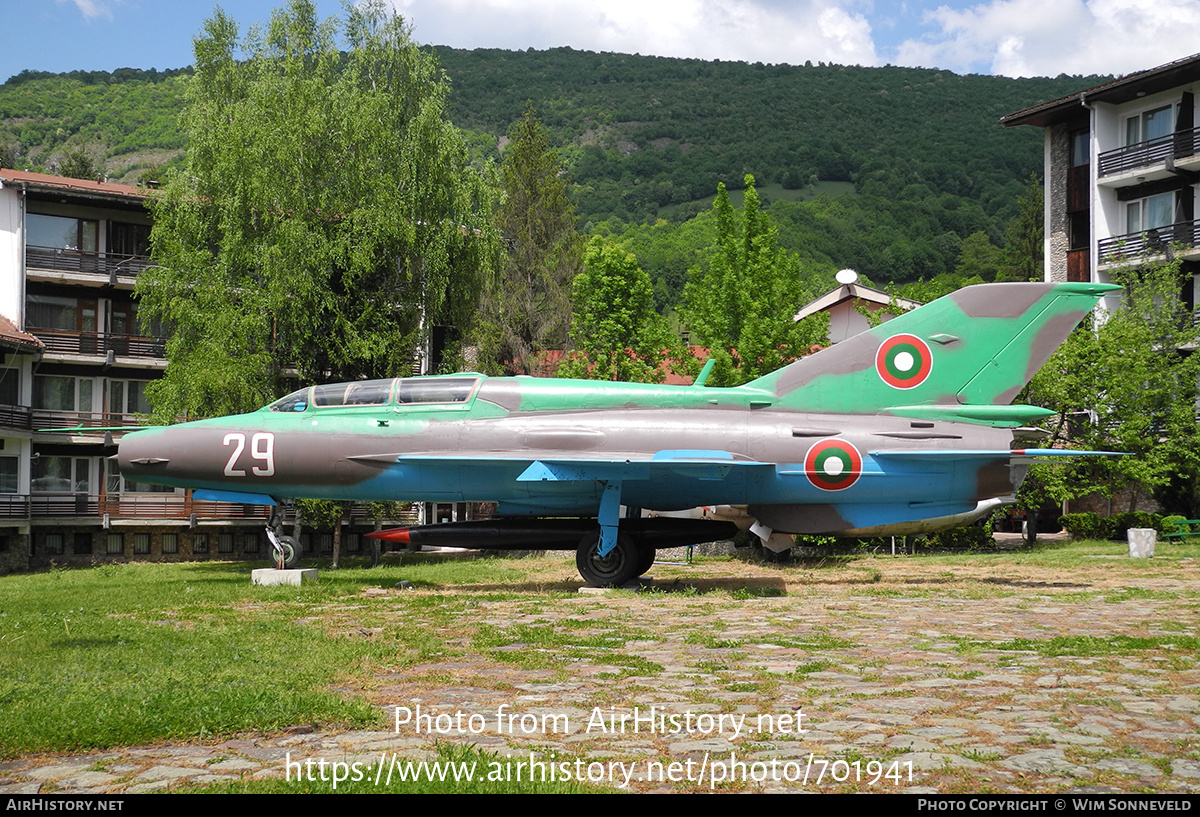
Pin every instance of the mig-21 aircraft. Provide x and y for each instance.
(907, 422)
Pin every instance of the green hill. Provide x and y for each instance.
(648, 138)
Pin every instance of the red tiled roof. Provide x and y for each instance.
(14, 338)
(44, 181)
(551, 359)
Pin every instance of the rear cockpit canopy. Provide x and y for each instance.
(401, 391)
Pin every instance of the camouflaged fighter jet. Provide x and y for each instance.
(907, 422)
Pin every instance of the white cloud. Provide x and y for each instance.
(1023, 38)
(92, 9)
(752, 30)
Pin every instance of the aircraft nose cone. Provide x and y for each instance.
(143, 454)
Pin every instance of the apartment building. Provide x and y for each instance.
(1122, 166)
(76, 354)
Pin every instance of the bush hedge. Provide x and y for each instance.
(1090, 526)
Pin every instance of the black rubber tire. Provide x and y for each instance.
(291, 552)
(645, 559)
(615, 569)
(773, 557)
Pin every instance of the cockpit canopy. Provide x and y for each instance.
(398, 391)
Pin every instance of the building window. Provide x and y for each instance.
(250, 543)
(9, 482)
(65, 314)
(353, 542)
(59, 475)
(60, 233)
(117, 485)
(128, 239)
(1150, 213)
(1080, 229)
(306, 542)
(170, 543)
(83, 544)
(56, 393)
(141, 544)
(114, 544)
(127, 397)
(54, 544)
(10, 387)
(1080, 148)
(199, 543)
(124, 323)
(225, 543)
(1149, 125)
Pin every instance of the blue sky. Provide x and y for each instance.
(1010, 37)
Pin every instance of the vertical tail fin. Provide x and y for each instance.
(975, 347)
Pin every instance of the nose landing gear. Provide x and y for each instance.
(285, 550)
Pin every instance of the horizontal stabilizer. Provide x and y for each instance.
(984, 454)
(989, 414)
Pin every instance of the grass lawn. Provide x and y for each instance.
(120, 655)
(123, 654)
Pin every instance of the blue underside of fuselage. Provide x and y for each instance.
(884, 493)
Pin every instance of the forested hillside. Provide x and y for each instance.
(642, 132)
(125, 121)
(887, 170)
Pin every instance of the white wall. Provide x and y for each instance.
(11, 240)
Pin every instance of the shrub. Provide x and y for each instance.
(1136, 519)
(1087, 526)
(969, 537)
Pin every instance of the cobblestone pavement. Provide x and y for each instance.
(990, 676)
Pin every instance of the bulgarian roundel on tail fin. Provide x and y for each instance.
(955, 357)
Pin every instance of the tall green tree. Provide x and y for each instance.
(326, 217)
(527, 307)
(741, 303)
(979, 258)
(616, 332)
(322, 514)
(1023, 258)
(77, 163)
(1127, 385)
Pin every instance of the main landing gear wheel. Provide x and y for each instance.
(291, 552)
(618, 567)
(646, 556)
(777, 557)
(769, 556)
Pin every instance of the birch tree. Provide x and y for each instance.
(326, 217)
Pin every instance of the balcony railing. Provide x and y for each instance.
(16, 417)
(14, 506)
(152, 507)
(52, 418)
(1176, 145)
(1155, 241)
(148, 507)
(63, 505)
(100, 344)
(406, 513)
(109, 265)
(174, 506)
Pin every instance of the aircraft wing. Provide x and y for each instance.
(552, 466)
